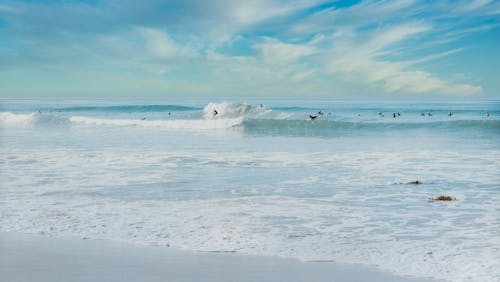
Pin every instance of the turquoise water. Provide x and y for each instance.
(260, 177)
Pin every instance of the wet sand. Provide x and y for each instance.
(25, 257)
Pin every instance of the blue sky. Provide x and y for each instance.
(231, 48)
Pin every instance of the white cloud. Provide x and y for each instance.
(160, 45)
(423, 82)
(361, 14)
(252, 12)
(7, 9)
(380, 45)
(275, 51)
(360, 60)
(469, 5)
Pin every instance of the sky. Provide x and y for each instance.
(233, 48)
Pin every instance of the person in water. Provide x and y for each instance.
(215, 112)
(394, 115)
(429, 114)
(311, 117)
(449, 114)
(399, 114)
(487, 114)
(422, 114)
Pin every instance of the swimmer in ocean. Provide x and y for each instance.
(449, 114)
(311, 117)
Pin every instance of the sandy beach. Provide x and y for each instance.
(27, 257)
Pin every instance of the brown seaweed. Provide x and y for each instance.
(442, 198)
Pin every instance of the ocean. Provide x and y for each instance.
(261, 177)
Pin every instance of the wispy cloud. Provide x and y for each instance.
(161, 46)
(249, 47)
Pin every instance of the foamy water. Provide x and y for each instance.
(264, 180)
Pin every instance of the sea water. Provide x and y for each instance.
(261, 177)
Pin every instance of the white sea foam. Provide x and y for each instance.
(233, 110)
(8, 119)
(168, 124)
(390, 226)
(13, 119)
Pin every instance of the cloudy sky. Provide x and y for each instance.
(231, 48)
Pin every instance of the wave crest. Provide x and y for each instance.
(38, 119)
(227, 110)
(195, 124)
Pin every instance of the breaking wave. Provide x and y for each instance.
(256, 119)
(233, 110)
(202, 124)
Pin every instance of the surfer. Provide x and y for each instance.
(429, 114)
(422, 114)
(143, 118)
(311, 117)
(416, 182)
(394, 115)
(449, 114)
(487, 114)
(399, 114)
(320, 113)
(215, 112)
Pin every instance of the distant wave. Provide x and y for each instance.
(188, 124)
(233, 110)
(8, 119)
(253, 119)
(37, 119)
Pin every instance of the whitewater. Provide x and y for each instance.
(263, 178)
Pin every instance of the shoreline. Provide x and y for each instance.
(31, 257)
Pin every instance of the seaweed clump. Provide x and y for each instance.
(442, 198)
